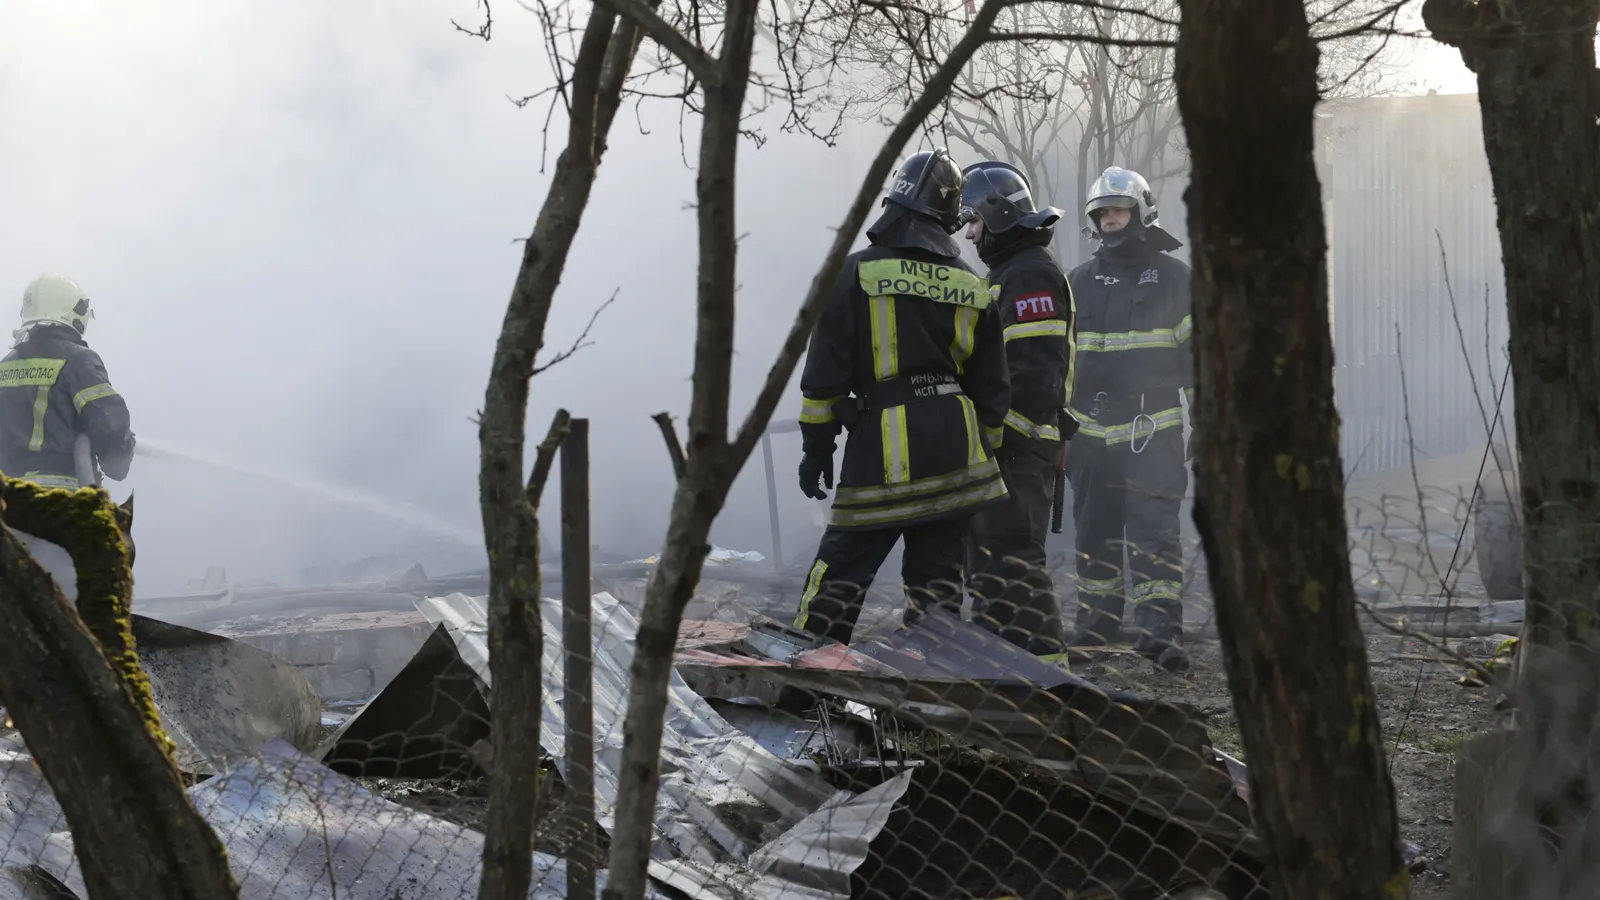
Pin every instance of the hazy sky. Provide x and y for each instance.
(297, 224)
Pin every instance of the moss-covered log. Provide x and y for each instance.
(74, 688)
(95, 534)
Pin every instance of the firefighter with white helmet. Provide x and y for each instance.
(1127, 464)
(54, 388)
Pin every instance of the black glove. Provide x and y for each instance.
(815, 471)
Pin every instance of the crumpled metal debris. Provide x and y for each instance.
(955, 677)
(28, 814)
(221, 699)
(719, 556)
(295, 830)
(721, 793)
(814, 859)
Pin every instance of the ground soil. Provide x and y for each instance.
(1425, 717)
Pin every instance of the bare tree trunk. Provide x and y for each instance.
(509, 505)
(702, 487)
(713, 461)
(77, 693)
(1269, 499)
(1540, 95)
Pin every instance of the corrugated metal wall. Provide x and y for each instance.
(1395, 172)
(1401, 176)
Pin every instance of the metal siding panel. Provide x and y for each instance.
(1398, 170)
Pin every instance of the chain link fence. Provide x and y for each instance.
(338, 738)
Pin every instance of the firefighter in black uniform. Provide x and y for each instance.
(1127, 464)
(1012, 592)
(53, 388)
(908, 358)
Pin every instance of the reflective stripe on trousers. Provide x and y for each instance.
(42, 479)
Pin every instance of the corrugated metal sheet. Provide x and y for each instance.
(1396, 170)
(1401, 176)
(717, 783)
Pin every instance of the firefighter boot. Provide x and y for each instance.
(1099, 620)
(1158, 623)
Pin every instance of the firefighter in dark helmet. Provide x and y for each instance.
(1127, 464)
(907, 358)
(1012, 591)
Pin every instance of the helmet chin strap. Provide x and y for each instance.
(1114, 239)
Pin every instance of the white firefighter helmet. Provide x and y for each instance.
(56, 298)
(1119, 188)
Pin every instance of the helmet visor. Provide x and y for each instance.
(1100, 203)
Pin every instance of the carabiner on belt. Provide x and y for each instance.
(1133, 437)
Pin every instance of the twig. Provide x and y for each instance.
(581, 341)
(1401, 630)
(482, 31)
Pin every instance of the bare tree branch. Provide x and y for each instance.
(670, 39)
(669, 433)
(545, 456)
(510, 518)
(482, 31)
(755, 424)
(582, 339)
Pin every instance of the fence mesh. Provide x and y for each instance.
(934, 761)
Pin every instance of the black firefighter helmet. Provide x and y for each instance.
(997, 193)
(929, 183)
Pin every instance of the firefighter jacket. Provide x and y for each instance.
(52, 387)
(1134, 354)
(908, 356)
(1036, 316)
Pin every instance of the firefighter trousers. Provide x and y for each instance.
(1126, 500)
(1012, 593)
(847, 562)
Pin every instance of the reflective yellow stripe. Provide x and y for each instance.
(92, 393)
(1072, 348)
(1157, 590)
(813, 584)
(896, 449)
(35, 373)
(929, 281)
(1099, 585)
(1109, 342)
(975, 451)
(41, 405)
(817, 412)
(885, 338)
(894, 493)
(1049, 328)
(1121, 434)
(62, 482)
(994, 437)
(966, 336)
(1031, 428)
(1058, 660)
(919, 499)
(1185, 329)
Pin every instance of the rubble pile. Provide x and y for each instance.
(341, 739)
